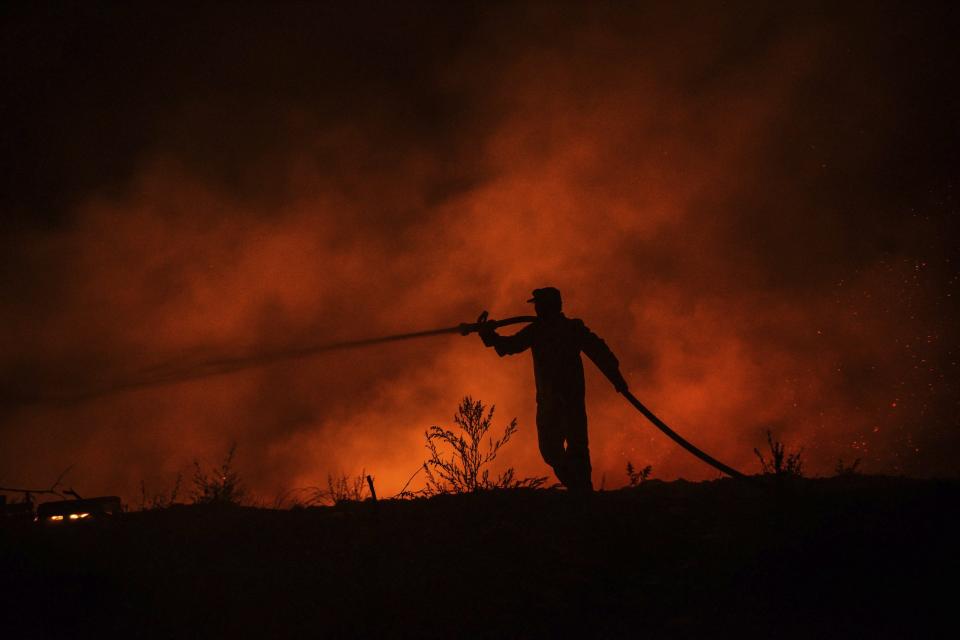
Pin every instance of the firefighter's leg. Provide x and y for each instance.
(550, 439)
(577, 455)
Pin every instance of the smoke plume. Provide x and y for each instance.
(753, 207)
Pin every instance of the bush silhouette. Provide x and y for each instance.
(463, 470)
(342, 489)
(781, 462)
(638, 476)
(847, 470)
(221, 485)
(162, 500)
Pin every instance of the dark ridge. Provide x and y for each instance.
(840, 557)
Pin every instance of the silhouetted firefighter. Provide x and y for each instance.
(556, 342)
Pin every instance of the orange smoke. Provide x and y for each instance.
(663, 186)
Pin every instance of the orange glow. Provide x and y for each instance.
(676, 202)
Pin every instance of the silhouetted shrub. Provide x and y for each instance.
(847, 471)
(781, 462)
(463, 470)
(162, 500)
(221, 486)
(295, 498)
(638, 477)
(342, 489)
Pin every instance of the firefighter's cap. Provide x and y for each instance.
(546, 294)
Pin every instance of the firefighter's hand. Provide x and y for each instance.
(485, 326)
(486, 330)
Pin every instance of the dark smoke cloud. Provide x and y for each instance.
(753, 206)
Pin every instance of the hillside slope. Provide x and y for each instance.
(816, 558)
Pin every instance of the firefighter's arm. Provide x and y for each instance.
(504, 345)
(598, 351)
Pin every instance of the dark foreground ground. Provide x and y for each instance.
(834, 558)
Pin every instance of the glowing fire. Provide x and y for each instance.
(72, 516)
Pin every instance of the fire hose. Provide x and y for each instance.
(676, 437)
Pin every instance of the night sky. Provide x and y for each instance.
(755, 206)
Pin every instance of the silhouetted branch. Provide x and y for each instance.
(51, 491)
(782, 462)
(638, 476)
(403, 492)
(342, 489)
(221, 486)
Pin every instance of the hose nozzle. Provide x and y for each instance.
(466, 328)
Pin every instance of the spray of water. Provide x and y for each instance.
(178, 371)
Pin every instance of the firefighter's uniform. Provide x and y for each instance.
(556, 342)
